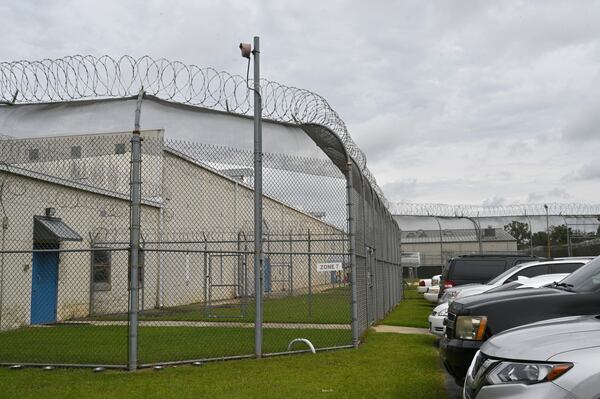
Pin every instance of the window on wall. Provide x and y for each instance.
(34, 154)
(76, 152)
(120, 148)
(101, 265)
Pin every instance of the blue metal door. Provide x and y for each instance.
(44, 287)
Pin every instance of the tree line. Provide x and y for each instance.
(558, 235)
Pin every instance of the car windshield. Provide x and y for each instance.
(584, 279)
(506, 287)
(501, 276)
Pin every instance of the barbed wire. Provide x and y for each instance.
(87, 76)
(462, 210)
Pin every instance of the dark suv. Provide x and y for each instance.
(480, 269)
(472, 320)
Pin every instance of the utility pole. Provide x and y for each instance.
(134, 236)
(247, 49)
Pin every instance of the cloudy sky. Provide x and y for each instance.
(486, 103)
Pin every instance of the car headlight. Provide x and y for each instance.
(443, 312)
(448, 295)
(526, 373)
(470, 327)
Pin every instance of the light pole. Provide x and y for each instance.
(547, 231)
(247, 50)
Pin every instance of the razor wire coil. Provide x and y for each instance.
(87, 76)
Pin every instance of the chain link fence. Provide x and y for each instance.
(437, 239)
(68, 291)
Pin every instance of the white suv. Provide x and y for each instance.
(530, 269)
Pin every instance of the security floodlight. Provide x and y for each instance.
(246, 49)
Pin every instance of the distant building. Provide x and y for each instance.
(436, 247)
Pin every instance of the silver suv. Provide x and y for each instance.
(555, 359)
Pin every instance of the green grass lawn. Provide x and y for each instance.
(386, 366)
(331, 306)
(84, 344)
(413, 311)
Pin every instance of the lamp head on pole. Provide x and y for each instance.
(246, 49)
(545, 206)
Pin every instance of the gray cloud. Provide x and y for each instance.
(554, 195)
(494, 201)
(442, 94)
(402, 191)
(589, 171)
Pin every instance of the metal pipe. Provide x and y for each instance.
(58, 251)
(134, 236)
(548, 231)
(66, 365)
(159, 271)
(291, 266)
(2, 262)
(258, 255)
(352, 253)
(309, 277)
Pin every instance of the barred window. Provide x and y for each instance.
(120, 148)
(101, 265)
(76, 152)
(34, 154)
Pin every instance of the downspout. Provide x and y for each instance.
(159, 271)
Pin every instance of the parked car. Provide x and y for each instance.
(440, 312)
(424, 283)
(478, 268)
(530, 269)
(432, 294)
(435, 280)
(474, 319)
(555, 359)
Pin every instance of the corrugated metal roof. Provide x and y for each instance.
(459, 235)
(53, 230)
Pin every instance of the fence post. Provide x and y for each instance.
(309, 277)
(352, 252)
(135, 184)
(258, 250)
